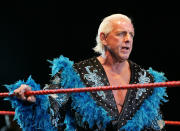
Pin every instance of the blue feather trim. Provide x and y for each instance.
(69, 121)
(60, 63)
(31, 116)
(149, 110)
(81, 102)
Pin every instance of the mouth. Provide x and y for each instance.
(125, 48)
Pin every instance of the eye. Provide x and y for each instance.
(132, 34)
(123, 33)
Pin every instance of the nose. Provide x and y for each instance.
(127, 38)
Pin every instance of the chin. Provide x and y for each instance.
(124, 58)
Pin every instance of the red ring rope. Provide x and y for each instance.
(7, 113)
(172, 122)
(71, 90)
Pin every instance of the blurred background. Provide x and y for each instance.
(32, 32)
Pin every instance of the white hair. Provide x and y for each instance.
(106, 27)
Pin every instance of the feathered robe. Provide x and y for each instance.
(90, 110)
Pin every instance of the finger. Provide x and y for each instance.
(27, 88)
(31, 99)
(16, 93)
(21, 94)
(18, 90)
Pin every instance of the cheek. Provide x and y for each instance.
(132, 44)
(117, 39)
(114, 41)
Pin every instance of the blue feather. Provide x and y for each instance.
(31, 116)
(149, 110)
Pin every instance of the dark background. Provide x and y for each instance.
(33, 31)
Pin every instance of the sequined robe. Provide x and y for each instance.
(92, 74)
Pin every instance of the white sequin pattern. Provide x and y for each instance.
(142, 79)
(93, 77)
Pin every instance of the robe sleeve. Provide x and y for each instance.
(31, 116)
(49, 112)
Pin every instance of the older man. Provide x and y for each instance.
(134, 109)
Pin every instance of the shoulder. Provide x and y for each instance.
(62, 63)
(89, 66)
(157, 76)
(85, 63)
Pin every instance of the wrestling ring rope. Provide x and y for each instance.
(169, 84)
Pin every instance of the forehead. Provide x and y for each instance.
(122, 25)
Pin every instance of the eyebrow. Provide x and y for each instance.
(133, 33)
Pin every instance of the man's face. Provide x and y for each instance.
(120, 40)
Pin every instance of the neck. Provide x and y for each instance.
(113, 64)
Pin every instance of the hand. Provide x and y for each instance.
(19, 93)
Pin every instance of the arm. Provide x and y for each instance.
(30, 116)
(51, 105)
(38, 112)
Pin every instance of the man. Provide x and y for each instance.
(133, 109)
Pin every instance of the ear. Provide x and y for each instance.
(103, 38)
